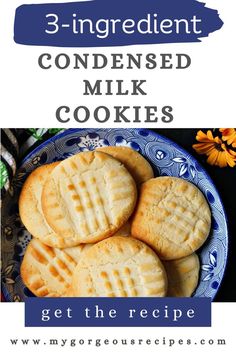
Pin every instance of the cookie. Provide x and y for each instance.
(172, 216)
(135, 163)
(30, 208)
(183, 275)
(119, 267)
(88, 197)
(47, 271)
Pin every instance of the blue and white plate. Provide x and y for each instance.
(167, 159)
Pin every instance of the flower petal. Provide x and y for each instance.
(213, 260)
(210, 135)
(212, 157)
(183, 169)
(204, 148)
(207, 267)
(208, 276)
(204, 138)
(160, 155)
(192, 171)
(230, 161)
(179, 159)
(229, 135)
(221, 159)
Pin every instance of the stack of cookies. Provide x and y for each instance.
(102, 225)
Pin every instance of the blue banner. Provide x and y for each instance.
(118, 312)
(101, 23)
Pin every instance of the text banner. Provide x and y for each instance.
(118, 312)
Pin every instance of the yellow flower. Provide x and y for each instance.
(229, 135)
(213, 147)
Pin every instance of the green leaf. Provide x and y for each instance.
(3, 174)
(54, 130)
(34, 132)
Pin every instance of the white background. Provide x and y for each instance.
(201, 96)
(223, 326)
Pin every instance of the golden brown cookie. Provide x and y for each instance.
(172, 216)
(135, 163)
(183, 275)
(119, 267)
(30, 208)
(88, 197)
(47, 271)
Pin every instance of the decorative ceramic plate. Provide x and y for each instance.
(166, 157)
